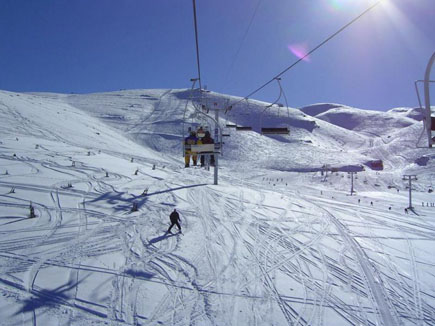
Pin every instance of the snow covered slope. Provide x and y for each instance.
(277, 242)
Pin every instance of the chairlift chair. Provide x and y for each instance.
(243, 128)
(276, 130)
(229, 124)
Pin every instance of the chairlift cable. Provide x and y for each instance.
(243, 39)
(311, 51)
(197, 44)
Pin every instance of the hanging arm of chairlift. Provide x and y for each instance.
(183, 132)
(425, 120)
(244, 128)
(275, 130)
(417, 91)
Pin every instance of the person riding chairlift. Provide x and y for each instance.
(200, 133)
(207, 140)
(188, 142)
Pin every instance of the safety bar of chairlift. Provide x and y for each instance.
(418, 93)
(278, 131)
(204, 148)
(243, 128)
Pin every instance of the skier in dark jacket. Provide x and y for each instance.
(207, 140)
(174, 217)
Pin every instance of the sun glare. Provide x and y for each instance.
(403, 27)
(344, 4)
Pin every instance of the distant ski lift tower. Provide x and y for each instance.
(324, 171)
(217, 147)
(351, 186)
(410, 178)
(217, 139)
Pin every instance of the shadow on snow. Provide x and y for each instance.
(121, 203)
(47, 298)
(161, 237)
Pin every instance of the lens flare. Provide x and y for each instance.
(300, 50)
(338, 5)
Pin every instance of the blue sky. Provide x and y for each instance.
(87, 46)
